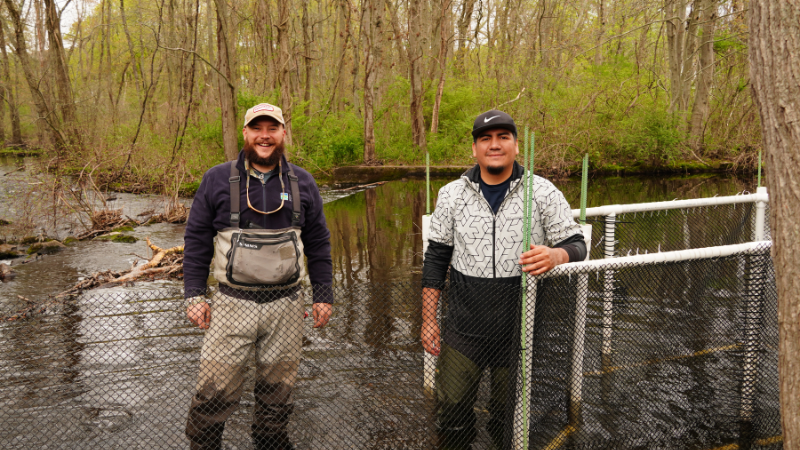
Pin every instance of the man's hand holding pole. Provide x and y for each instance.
(539, 259)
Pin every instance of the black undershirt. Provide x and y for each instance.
(495, 193)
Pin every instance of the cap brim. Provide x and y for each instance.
(493, 126)
(269, 114)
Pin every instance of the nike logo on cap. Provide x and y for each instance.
(489, 118)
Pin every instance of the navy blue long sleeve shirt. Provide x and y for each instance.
(210, 213)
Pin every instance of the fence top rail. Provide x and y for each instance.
(656, 258)
(607, 210)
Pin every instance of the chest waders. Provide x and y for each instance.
(259, 259)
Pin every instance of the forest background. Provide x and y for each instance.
(153, 92)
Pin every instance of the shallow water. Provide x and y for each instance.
(116, 368)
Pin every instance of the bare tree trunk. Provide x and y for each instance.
(372, 59)
(344, 37)
(187, 80)
(444, 45)
(5, 75)
(402, 52)
(415, 62)
(39, 99)
(138, 71)
(689, 54)
(226, 37)
(601, 24)
(774, 47)
(307, 60)
(354, 100)
(705, 77)
(674, 11)
(544, 32)
(463, 33)
(66, 103)
(264, 45)
(284, 67)
(3, 102)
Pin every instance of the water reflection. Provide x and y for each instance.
(119, 371)
(375, 234)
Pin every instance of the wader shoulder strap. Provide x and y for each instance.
(295, 197)
(234, 181)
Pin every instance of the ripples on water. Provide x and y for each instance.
(64, 380)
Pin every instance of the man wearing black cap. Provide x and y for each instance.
(477, 233)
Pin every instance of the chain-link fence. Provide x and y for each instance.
(622, 354)
(633, 229)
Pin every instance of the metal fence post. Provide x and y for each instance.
(428, 360)
(753, 306)
(609, 237)
(578, 337)
(522, 413)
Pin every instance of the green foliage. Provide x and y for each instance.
(725, 41)
(651, 135)
(329, 140)
(454, 139)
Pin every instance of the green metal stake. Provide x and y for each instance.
(759, 169)
(529, 145)
(584, 186)
(427, 182)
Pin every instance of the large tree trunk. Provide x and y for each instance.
(284, 67)
(775, 73)
(372, 59)
(705, 77)
(226, 36)
(415, 62)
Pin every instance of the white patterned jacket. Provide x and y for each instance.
(483, 247)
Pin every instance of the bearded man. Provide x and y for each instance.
(258, 264)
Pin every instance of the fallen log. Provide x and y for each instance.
(165, 263)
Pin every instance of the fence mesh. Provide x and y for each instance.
(671, 355)
(677, 229)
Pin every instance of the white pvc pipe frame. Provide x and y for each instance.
(583, 268)
(761, 198)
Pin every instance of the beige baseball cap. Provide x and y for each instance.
(263, 109)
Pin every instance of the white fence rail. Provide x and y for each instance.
(583, 268)
(606, 266)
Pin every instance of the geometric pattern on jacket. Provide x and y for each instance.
(488, 245)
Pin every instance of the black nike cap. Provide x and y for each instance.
(493, 119)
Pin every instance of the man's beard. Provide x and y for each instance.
(495, 170)
(272, 160)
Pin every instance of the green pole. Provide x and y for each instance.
(529, 146)
(584, 186)
(759, 169)
(427, 182)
